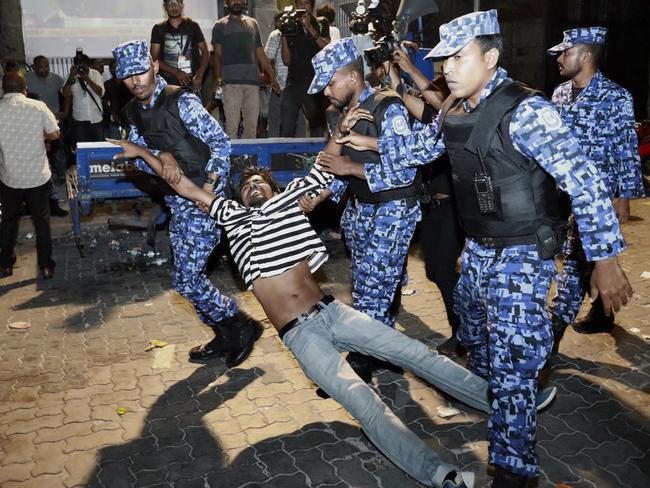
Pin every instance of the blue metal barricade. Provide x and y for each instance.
(97, 177)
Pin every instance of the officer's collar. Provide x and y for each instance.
(498, 77)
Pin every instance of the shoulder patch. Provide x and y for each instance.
(550, 118)
(400, 126)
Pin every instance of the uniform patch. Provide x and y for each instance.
(400, 126)
(550, 118)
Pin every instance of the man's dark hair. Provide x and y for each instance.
(491, 41)
(277, 15)
(14, 83)
(596, 51)
(38, 58)
(356, 65)
(326, 11)
(251, 171)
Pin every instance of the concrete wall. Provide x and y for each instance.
(11, 37)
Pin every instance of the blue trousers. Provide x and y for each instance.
(193, 236)
(317, 344)
(378, 236)
(574, 280)
(501, 301)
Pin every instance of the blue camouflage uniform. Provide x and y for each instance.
(501, 294)
(377, 234)
(192, 232)
(602, 119)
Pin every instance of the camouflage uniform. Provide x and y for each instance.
(602, 119)
(377, 234)
(193, 233)
(501, 293)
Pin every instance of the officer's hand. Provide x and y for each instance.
(307, 204)
(609, 282)
(354, 115)
(622, 209)
(182, 77)
(197, 83)
(359, 142)
(171, 171)
(129, 149)
(202, 206)
(337, 165)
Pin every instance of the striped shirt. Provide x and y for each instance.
(268, 240)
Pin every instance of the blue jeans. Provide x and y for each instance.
(317, 343)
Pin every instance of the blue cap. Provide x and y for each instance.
(582, 35)
(458, 33)
(332, 57)
(131, 58)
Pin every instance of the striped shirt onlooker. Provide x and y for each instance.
(268, 240)
(273, 50)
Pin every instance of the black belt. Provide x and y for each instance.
(318, 306)
(501, 242)
(436, 202)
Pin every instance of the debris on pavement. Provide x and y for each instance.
(154, 343)
(407, 292)
(447, 412)
(19, 325)
(121, 411)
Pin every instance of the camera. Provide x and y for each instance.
(382, 51)
(80, 62)
(290, 21)
(362, 17)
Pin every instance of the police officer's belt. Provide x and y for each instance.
(501, 242)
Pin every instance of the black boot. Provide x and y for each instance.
(451, 347)
(508, 479)
(217, 347)
(595, 321)
(242, 336)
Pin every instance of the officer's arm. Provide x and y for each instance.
(538, 132)
(390, 173)
(136, 138)
(203, 126)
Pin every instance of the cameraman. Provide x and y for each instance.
(83, 91)
(311, 36)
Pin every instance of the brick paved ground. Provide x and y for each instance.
(192, 425)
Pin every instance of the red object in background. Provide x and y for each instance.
(643, 134)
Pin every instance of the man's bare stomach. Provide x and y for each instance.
(287, 295)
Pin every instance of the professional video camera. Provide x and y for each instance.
(386, 45)
(290, 21)
(361, 17)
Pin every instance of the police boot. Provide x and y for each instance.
(242, 336)
(595, 321)
(508, 479)
(217, 347)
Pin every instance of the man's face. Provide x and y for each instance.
(305, 5)
(570, 62)
(338, 90)
(255, 192)
(468, 71)
(236, 7)
(42, 67)
(143, 85)
(174, 8)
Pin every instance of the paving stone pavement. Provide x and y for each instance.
(202, 425)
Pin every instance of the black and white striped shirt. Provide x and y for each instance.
(268, 240)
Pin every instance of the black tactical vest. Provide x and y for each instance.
(376, 104)
(162, 128)
(527, 200)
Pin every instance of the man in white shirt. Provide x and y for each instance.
(84, 90)
(24, 171)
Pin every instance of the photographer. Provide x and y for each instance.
(299, 45)
(83, 93)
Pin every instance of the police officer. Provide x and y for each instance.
(172, 121)
(508, 149)
(601, 115)
(381, 216)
